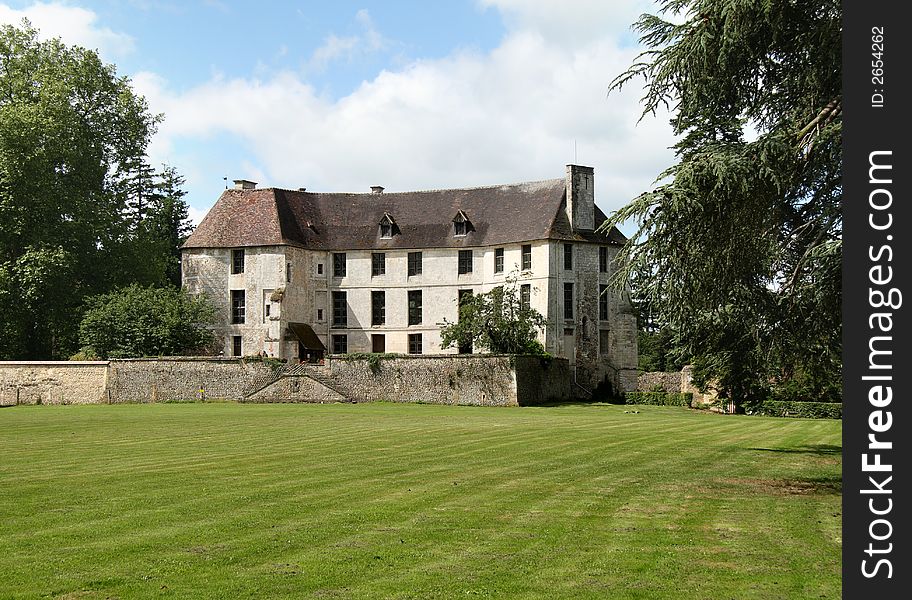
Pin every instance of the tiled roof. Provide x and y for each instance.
(337, 221)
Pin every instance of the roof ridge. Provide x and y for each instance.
(385, 193)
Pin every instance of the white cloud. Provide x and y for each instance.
(72, 24)
(472, 118)
(348, 48)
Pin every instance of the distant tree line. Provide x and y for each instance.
(82, 212)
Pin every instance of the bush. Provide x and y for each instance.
(807, 410)
(659, 398)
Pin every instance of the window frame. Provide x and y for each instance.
(415, 264)
(415, 307)
(238, 308)
(525, 296)
(603, 302)
(415, 343)
(238, 260)
(525, 259)
(378, 307)
(603, 259)
(568, 305)
(378, 264)
(568, 257)
(463, 266)
(498, 260)
(340, 343)
(340, 311)
(340, 264)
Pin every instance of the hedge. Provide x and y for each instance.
(658, 398)
(807, 410)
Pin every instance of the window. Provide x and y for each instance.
(339, 264)
(414, 263)
(568, 300)
(288, 272)
(498, 260)
(319, 268)
(378, 342)
(603, 259)
(414, 341)
(603, 341)
(267, 304)
(266, 311)
(526, 262)
(525, 296)
(387, 227)
(340, 309)
(414, 307)
(568, 257)
(378, 264)
(340, 344)
(378, 308)
(465, 262)
(603, 302)
(320, 315)
(237, 261)
(237, 306)
(461, 224)
(236, 345)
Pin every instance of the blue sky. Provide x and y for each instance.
(339, 96)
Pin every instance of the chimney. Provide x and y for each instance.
(244, 184)
(376, 189)
(300, 189)
(581, 197)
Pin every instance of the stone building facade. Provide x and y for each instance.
(299, 274)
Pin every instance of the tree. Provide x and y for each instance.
(498, 321)
(146, 321)
(744, 238)
(167, 220)
(71, 132)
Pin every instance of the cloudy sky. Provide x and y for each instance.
(339, 96)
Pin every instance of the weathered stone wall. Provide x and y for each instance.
(666, 381)
(53, 382)
(487, 381)
(463, 379)
(177, 379)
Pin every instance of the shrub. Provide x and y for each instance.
(659, 398)
(807, 410)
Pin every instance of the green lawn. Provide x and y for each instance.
(416, 501)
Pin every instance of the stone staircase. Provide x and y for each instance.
(317, 373)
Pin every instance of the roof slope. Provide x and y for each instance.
(338, 221)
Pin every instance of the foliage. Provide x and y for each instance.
(496, 321)
(807, 410)
(373, 358)
(146, 321)
(71, 130)
(742, 237)
(659, 398)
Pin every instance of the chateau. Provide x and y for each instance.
(297, 274)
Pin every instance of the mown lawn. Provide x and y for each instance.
(416, 501)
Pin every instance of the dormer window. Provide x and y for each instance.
(461, 224)
(387, 227)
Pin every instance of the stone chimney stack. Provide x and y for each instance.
(581, 197)
(377, 189)
(244, 184)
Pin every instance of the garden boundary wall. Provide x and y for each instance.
(468, 380)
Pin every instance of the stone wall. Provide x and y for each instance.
(456, 379)
(488, 381)
(676, 382)
(181, 379)
(653, 381)
(52, 382)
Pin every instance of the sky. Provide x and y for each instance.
(340, 96)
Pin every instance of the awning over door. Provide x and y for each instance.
(306, 336)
